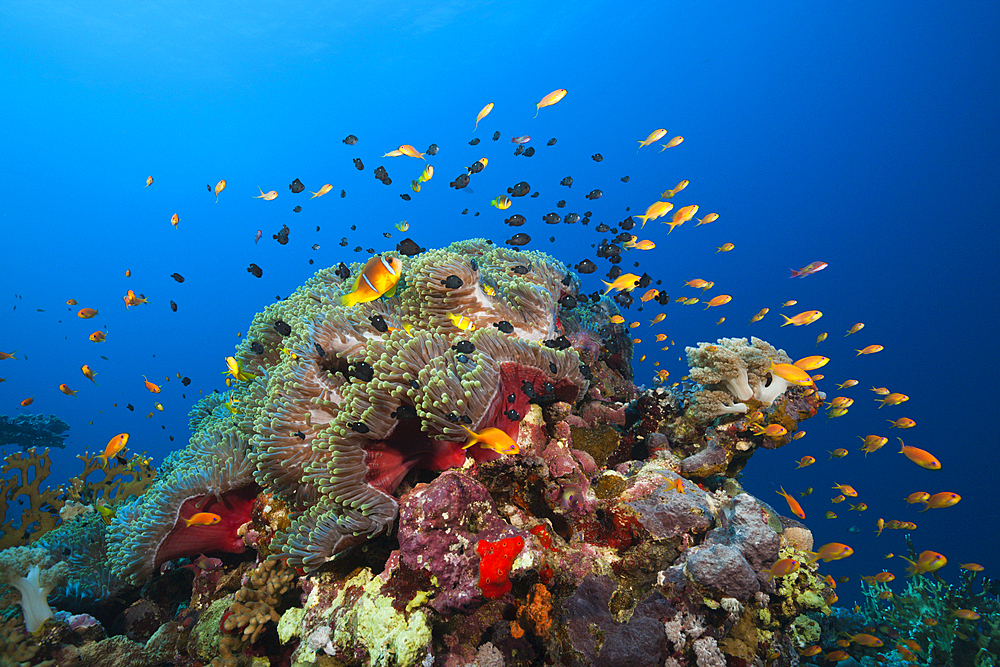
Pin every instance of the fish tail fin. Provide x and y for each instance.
(537, 109)
(788, 320)
(104, 460)
(348, 300)
(795, 274)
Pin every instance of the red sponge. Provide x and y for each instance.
(496, 559)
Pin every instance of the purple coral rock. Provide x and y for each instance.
(706, 461)
(434, 536)
(640, 642)
(558, 458)
(668, 514)
(748, 531)
(723, 570)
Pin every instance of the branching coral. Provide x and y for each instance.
(42, 513)
(33, 431)
(255, 604)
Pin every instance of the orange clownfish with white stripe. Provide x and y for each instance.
(377, 279)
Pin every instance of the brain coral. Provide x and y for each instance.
(347, 400)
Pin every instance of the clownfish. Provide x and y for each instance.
(377, 279)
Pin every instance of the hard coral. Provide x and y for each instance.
(42, 513)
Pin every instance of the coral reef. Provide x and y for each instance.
(33, 431)
(42, 512)
(350, 525)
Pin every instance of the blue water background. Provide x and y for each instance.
(860, 134)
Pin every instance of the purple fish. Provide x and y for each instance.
(257, 236)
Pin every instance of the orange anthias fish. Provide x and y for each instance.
(677, 188)
(64, 388)
(670, 144)
(88, 373)
(492, 438)
(831, 552)
(711, 217)
(28, 401)
(873, 443)
(266, 196)
(792, 374)
(203, 519)
(726, 247)
(847, 383)
(805, 461)
(805, 317)
(174, 219)
(927, 561)
(902, 422)
(782, 568)
(892, 399)
(550, 99)
(654, 211)
(939, 500)
(219, 187)
(772, 430)
(855, 329)
(149, 181)
(920, 457)
(150, 386)
(871, 349)
(793, 504)
(847, 490)
(808, 269)
(626, 281)
(115, 445)
(410, 151)
(759, 316)
(8, 355)
(322, 191)
(917, 497)
(86, 313)
(682, 216)
(654, 136)
(483, 114)
(98, 336)
(866, 640)
(719, 301)
(132, 300)
(70, 302)
(650, 294)
(812, 363)
(378, 278)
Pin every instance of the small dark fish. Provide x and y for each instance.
(567, 279)
(432, 149)
(297, 209)
(300, 434)
(208, 187)
(534, 194)
(404, 197)
(379, 323)
(178, 277)
(474, 142)
(568, 302)
(572, 218)
(465, 211)
(342, 271)
(343, 193)
(528, 390)
(404, 412)
(552, 368)
(362, 371)
(513, 415)
(627, 224)
(561, 203)
(521, 270)
(552, 142)
(466, 419)
(560, 343)
(624, 299)
(296, 186)
(173, 306)
(257, 347)
(452, 417)
(662, 298)
(644, 281)
(552, 218)
(518, 239)
(409, 248)
(519, 150)
(343, 242)
(624, 179)
(282, 328)
(474, 264)
(359, 165)
(476, 167)
(382, 175)
(282, 236)
(586, 266)
(315, 246)
(358, 427)
(464, 346)
(460, 181)
(585, 220)
(185, 381)
(594, 194)
(614, 272)
(504, 326)
(596, 157)
(496, 136)
(529, 151)
(452, 282)
(519, 189)
(462, 359)
(568, 182)
(130, 407)
(622, 237)
(511, 398)
(350, 140)
(516, 220)
(255, 270)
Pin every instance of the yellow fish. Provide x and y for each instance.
(219, 187)
(483, 114)
(670, 144)
(550, 99)
(322, 191)
(653, 137)
(266, 196)
(115, 445)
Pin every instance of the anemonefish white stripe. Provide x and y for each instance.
(373, 288)
(388, 267)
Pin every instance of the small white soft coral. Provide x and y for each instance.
(767, 395)
(34, 598)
